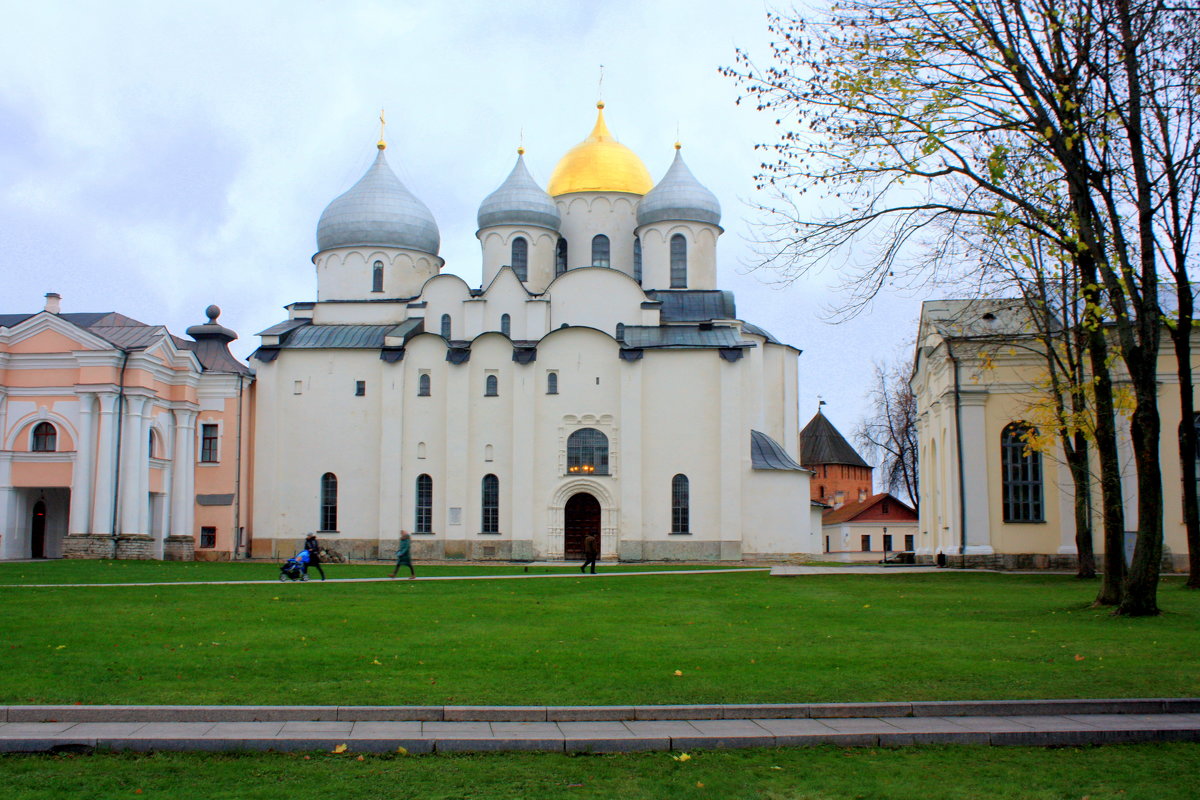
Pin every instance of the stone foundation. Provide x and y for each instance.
(682, 548)
(179, 548)
(1035, 561)
(88, 545)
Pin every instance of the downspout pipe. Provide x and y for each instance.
(117, 472)
(962, 491)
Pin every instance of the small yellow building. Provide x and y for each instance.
(987, 499)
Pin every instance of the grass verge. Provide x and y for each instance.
(1124, 772)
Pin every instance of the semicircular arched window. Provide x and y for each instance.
(600, 251)
(560, 257)
(329, 502)
(678, 262)
(491, 504)
(506, 325)
(423, 520)
(491, 386)
(377, 277)
(637, 259)
(45, 438)
(587, 452)
(446, 331)
(520, 257)
(680, 504)
(1021, 474)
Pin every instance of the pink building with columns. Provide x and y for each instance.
(119, 439)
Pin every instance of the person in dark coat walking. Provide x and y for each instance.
(404, 556)
(591, 551)
(314, 553)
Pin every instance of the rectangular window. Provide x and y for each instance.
(208, 538)
(866, 542)
(423, 523)
(887, 543)
(297, 387)
(360, 388)
(909, 542)
(208, 443)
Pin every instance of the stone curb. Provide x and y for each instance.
(423, 744)
(951, 708)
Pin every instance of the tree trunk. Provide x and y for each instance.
(1111, 499)
(1141, 584)
(1182, 335)
(1077, 460)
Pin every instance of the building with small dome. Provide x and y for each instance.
(598, 382)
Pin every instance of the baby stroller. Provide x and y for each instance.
(295, 568)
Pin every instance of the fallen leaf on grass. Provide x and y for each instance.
(1079, 657)
(402, 750)
(678, 672)
(682, 757)
(341, 748)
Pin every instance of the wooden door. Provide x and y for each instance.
(581, 517)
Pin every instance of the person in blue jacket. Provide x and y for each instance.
(404, 556)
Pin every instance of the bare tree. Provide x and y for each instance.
(889, 433)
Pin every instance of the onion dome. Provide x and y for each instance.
(600, 164)
(679, 196)
(519, 201)
(378, 211)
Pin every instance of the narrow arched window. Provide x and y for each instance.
(520, 257)
(680, 504)
(423, 385)
(377, 277)
(491, 386)
(491, 504)
(600, 251)
(423, 522)
(1021, 474)
(560, 257)
(45, 438)
(587, 452)
(506, 325)
(552, 383)
(152, 445)
(678, 262)
(329, 502)
(620, 331)
(637, 259)
(446, 327)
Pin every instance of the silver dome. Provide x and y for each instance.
(679, 196)
(519, 201)
(378, 211)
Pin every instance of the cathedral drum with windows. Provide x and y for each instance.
(597, 382)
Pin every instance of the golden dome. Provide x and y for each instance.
(600, 164)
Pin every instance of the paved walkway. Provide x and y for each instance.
(429, 729)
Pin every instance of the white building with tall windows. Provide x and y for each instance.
(597, 382)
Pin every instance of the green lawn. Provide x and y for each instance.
(1126, 772)
(743, 637)
(105, 571)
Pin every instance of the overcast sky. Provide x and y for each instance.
(156, 157)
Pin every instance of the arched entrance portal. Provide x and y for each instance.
(581, 517)
(37, 531)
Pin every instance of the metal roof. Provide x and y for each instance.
(757, 331)
(283, 327)
(821, 443)
(681, 336)
(378, 210)
(679, 196)
(519, 201)
(766, 453)
(337, 337)
(694, 305)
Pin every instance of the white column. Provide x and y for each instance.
(132, 455)
(183, 471)
(80, 517)
(145, 523)
(731, 464)
(516, 498)
(971, 406)
(106, 464)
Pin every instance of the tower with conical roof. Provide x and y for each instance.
(518, 227)
(840, 473)
(377, 240)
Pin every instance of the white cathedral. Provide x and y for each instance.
(597, 382)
